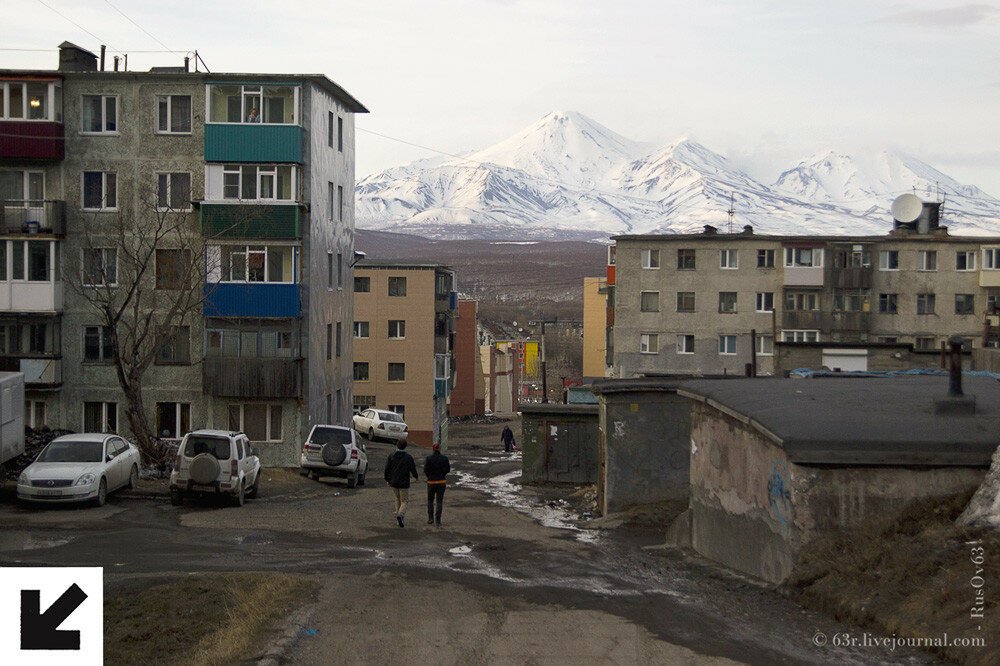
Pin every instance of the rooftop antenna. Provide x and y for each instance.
(732, 210)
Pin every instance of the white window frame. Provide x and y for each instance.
(768, 254)
(724, 339)
(883, 260)
(104, 413)
(389, 334)
(178, 409)
(30, 413)
(800, 335)
(643, 293)
(970, 261)
(244, 92)
(682, 346)
(104, 191)
(54, 258)
(932, 300)
(104, 115)
(170, 114)
(268, 427)
(54, 115)
(762, 296)
(793, 257)
(26, 200)
(729, 260)
(736, 302)
(924, 259)
(83, 266)
(918, 338)
(991, 258)
(170, 193)
(647, 260)
(357, 330)
(762, 348)
(101, 342)
(263, 170)
(246, 252)
(647, 341)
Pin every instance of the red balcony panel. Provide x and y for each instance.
(31, 140)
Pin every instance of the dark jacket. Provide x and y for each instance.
(436, 467)
(398, 469)
(507, 436)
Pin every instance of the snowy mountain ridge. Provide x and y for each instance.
(569, 176)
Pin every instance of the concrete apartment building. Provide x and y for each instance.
(261, 164)
(595, 329)
(404, 337)
(690, 303)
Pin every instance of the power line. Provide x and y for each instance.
(45, 4)
(148, 33)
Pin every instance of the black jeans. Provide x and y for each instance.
(435, 491)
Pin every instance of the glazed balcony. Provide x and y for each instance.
(40, 372)
(21, 216)
(31, 140)
(252, 299)
(242, 377)
(280, 221)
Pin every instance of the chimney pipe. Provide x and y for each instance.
(187, 61)
(116, 63)
(103, 48)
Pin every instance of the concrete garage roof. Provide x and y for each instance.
(869, 421)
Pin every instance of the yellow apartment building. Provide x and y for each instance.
(595, 318)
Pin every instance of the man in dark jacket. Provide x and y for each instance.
(507, 437)
(398, 469)
(436, 469)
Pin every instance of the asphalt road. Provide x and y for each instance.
(508, 578)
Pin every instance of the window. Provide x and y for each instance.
(363, 402)
(340, 337)
(259, 422)
(765, 345)
(173, 268)
(361, 329)
(340, 202)
(857, 257)
(801, 300)
(887, 303)
(650, 258)
(727, 345)
(22, 188)
(99, 114)
(649, 301)
(927, 260)
(398, 409)
(806, 257)
(329, 200)
(727, 301)
(685, 344)
(685, 260)
(685, 301)
(249, 182)
(34, 414)
(888, 339)
(329, 129)
(850, 300)
(173, 419)
(340, 134)
(993, 304)
(100, 416)
(965, 304)
(765, 258)
(268, 104)
(924, 342)
(233, 343)
(360, 372)
(329, 342)
(888, 260)
(765, 301)
(173, 114)
(965, 261)
(100, 267)
(991, 259)
(799, 336)
(173, 191)
(36, 256)
(174, 346)
(397, 286)
(729, 259)
(442, 366)
(97, 344)
(649, 343)
(925, 304)
(329, 270)
(340, 270)
(362, 285)
(397, 329)
(397, 372)
(31, 101)
(100, 190)
(258, 263)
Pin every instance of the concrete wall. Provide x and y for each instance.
(752, 509)
(560, 443)
(880, 357)
(645, 440)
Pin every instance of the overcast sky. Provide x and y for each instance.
(765, 82)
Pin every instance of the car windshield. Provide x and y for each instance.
(391, 416)
(71, 451)
(214, 446)
(321, 435)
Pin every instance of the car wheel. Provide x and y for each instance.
(361, 479)
(240, 497)
(176, 497)
(102, 493)
(133, 478)
(314, 476)
(255, 487)
(352, 480)
(371, 434)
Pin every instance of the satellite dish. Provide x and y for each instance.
(906, 208)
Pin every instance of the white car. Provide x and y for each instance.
(380, 423)
(331, 450)
(80, 468)
(215, 462)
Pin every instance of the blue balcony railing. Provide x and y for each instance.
(258, 299)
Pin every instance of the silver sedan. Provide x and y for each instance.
(80, 468)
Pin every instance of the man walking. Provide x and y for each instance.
(398, 469)
(507, 437)
(436, 469)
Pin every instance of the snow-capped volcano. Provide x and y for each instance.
(569, 175)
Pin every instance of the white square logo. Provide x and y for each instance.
(51, 615)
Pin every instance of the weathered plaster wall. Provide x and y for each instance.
(560, 446)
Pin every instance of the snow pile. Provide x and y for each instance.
(984, 507)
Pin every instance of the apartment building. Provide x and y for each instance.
(468, 396)
(595, 330)
(711, 303)
(404, 337)
(259, 165)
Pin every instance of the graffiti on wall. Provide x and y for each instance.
(779, 494)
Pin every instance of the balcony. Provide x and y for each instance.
(803, 276)
(255, 299)
(859, 322)
(252, 377)
(31, 140)
(31, 296)
(22, 216)
(851, 278)
(805, 320)
(227, 220)
(42, 372)
(245, 142)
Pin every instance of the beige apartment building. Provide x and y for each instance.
(404, 334)
(711, 303)
(595, 329)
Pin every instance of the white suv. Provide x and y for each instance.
(214, 462)
(331, 450)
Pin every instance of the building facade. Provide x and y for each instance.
(713, 303)
(404, 337)
(468, 395)
(257, 167)
(595, 341)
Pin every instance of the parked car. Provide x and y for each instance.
(380, 423)
(331, 450)
(80, 468)
(215, 462)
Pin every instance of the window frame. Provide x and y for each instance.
(724, 338)
(179, 419)
(170, 188)
(358, 329)
(389, 368)
(970, 266)
(103, 268)
(735, 302)
(180, 339)
(225, 271)
(760, 349)
(643, 294)
(268, 422)
(922, 302)
(105, 413)
(729, 259)
(367, 368)
(104, 115)
(758, 299)
(694, 301)
(261, 171)
(685, 253)
(792, 258)
(53, 101)
(885, 299)
(170, 114)
(993, 263)
(366, 281)
(104, 345)
(389, 283)
(886, 254)
(400, 326)
(104, 192)
(244, 93)
(681, 344)
(646, 259)
(767, 255)
(972, 304)
(927, 261)
(646, 343)
(804, 333)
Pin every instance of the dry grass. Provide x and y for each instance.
(205, 619)
(907, 575)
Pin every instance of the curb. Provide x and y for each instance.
(275, 653)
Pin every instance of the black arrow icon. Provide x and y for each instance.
(40, 631)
